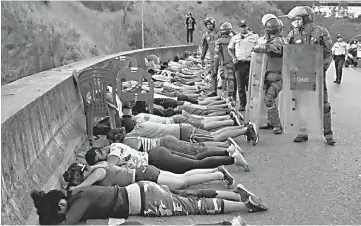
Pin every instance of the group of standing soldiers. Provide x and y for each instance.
(230, 57)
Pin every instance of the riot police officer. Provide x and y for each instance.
(272, 44)
(223, 59)
(306, 32)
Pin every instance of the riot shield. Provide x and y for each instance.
(302, 94)
(255, 96)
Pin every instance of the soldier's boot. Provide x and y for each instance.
(267, 126)
(300, 138)
(328, 134)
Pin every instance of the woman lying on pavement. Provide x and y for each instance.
(122, 155)
(78, 175)
(144, 198)
(196, 151)
(206, 123)
(187, 132)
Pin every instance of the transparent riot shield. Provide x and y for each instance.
(302, 94)
(255, 96)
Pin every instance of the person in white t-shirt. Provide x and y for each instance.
(339, 53)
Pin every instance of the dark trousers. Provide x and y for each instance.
(189, 35)
(242, 77)
(339, 61)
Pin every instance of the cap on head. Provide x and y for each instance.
(242, 23)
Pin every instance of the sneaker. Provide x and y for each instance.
(238, 221)
(227, 177)
(235, 118)
(243, 192)
(255, 204)
(251, 133)
(231, 105)
(233, 142)
(231, 149)
(240, 116)
(300, 138)
(240, 161)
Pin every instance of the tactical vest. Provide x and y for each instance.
(211, 37)
(223, 49)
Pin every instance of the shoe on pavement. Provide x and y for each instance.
(255, 204)
(243, 192)
(277, 130)
(231, 141)
(331, 141)
(228, 178)
(267, 126)
(240, 161)
(238, 221)
(300, 138)
(251, 133)
(235, 118)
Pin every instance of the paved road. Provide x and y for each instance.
(307, 183)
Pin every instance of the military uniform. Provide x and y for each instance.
(208, 44)
(316, 35)
(224, 60)
(273, 78)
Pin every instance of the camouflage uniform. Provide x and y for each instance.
(223, 59)
(316, 35)
(273, 77)
(208, 43)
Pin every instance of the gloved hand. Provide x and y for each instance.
(259, 49)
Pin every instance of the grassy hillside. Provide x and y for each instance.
(37, 36)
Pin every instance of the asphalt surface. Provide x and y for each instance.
(305, 183)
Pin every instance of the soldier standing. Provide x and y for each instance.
(272, 44)
(208, 43)
(306, 32)
(223, 59)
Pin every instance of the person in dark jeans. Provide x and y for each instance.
(339, 53)
(190, 25)
(240, 48)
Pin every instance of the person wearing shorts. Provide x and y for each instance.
(144, 198)
(160, 157)
(187, 132)
(104, 174)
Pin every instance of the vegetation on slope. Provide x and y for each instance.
(38, 36)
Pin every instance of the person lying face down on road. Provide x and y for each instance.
(234, 118)
(144, 198)
(104, 174)
(163, 158)
(187, 132)
(196, 151)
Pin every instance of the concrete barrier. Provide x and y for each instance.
(42, 124)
